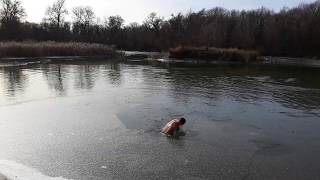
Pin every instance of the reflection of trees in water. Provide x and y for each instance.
(14, 80)
(54, 74)
(85, 76)
(114, 73)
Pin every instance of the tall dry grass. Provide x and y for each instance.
(50, 48)
(232, 54)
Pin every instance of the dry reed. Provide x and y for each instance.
(50, 48)
(214, 54)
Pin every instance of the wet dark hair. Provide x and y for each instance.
(182, 121)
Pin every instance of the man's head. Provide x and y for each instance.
(182, 121)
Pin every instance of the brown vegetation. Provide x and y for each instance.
(212, 54)
(49, 48)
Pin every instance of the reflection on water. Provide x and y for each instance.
(292, 87)
(114, 73)
(85, 76)
(73, 119)
(55, 78)
(13, 80)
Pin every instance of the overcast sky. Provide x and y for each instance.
(137, 10)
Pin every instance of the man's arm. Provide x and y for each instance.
(175, 131)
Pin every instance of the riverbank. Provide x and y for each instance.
(263, 61)
(290, 61)
(51, 49)
(212, 53)
(156, 58)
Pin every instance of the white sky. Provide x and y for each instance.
(137, 10)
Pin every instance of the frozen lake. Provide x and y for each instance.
(101, 120)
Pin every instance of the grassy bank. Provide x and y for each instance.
(45, 49)
(236, 55)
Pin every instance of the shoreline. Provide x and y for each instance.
(265, 61)
(162, 58)
(52, 58)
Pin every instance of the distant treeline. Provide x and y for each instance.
(290, 32)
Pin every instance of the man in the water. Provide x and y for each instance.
(173, 127)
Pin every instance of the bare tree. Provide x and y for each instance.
(154, 22)
(77, 15)
(115, 22)
(178, 29)
(56, 13)
(83, 15)
(83, 20)
(114, 25)
(11, 15)
(11, 11)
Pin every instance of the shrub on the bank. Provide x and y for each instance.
(213, 54)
